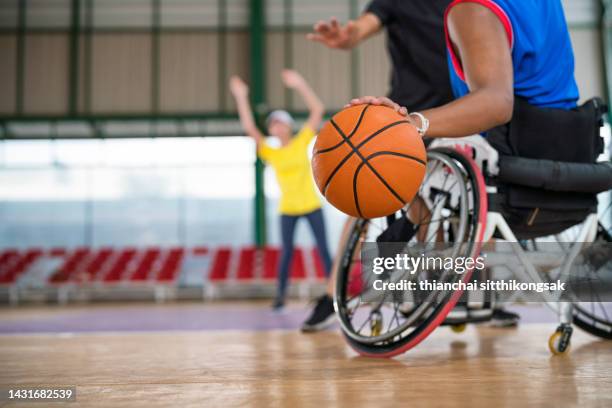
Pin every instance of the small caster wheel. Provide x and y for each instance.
(559, 341)
(376, 323)
(458, 328)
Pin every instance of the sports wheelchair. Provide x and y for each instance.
(462, 205)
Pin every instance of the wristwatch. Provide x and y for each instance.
(424, 123)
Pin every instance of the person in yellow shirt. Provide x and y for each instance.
(291, 164)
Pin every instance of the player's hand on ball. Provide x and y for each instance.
(378, 100)
(238, 87)
(332, 34)
(292, 78)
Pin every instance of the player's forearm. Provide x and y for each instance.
(246, 118)
(365, 26)
(475, 113)
(312, 101)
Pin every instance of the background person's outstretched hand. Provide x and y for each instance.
(334, 35)
(292, 79)
(238, 87)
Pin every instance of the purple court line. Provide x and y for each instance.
(155, 318)
(136, 318)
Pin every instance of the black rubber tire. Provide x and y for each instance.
(392, 348)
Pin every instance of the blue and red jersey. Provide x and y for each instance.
(542, 55)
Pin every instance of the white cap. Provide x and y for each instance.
(281, 116)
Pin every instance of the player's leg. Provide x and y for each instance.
(317, 224)
(323, 312)
(287, 236)
(346, 228)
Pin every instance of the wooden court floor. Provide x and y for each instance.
(482, 367)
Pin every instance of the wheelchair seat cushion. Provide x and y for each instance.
(557, 149)
(556, 176)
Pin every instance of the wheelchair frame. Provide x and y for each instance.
(494, 221)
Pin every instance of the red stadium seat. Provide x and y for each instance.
(298, 271)
(318, 264)
(96, 263)
(21, 265)
(145, 265)
(68, 269)
(7, 258)
(246, 264)
(171, 266)
(58, 252)
(220, 265)
(271, 259)
(199, 251)
(115, 274)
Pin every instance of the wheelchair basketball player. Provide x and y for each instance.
(503, 59)
(419, 81)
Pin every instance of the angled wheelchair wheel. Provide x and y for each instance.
(595, 316)
(452, 195)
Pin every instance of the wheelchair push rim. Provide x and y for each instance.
(410, 329)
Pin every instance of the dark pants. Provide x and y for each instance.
(288, 222)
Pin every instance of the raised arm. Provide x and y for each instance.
(485, 57)
(345, 37)
(292, 79)
(240, 90)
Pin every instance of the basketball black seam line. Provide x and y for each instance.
(388, 152)
(355, 196)
(364, 160)
(348, 156)
(361, 115)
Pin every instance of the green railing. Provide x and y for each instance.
(606, 28)
(80, 34)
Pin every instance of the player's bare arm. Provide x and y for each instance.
(484, 54)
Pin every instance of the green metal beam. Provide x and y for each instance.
(73, 63)
(606, 38)
(258, 99)
(97, 122)
(298, 28)
(155, 54)
(20, 56)
(164, 116)
(222, 54)
(120, 117)
(88, 59)
(102, 136)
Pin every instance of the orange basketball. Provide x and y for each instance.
(369, 161)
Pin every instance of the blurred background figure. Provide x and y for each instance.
(291, 164)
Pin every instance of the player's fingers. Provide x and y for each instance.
(323, 28)
(362, 100)
(315, 37)
(383, 100)
(333, 23)
(350, 26)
